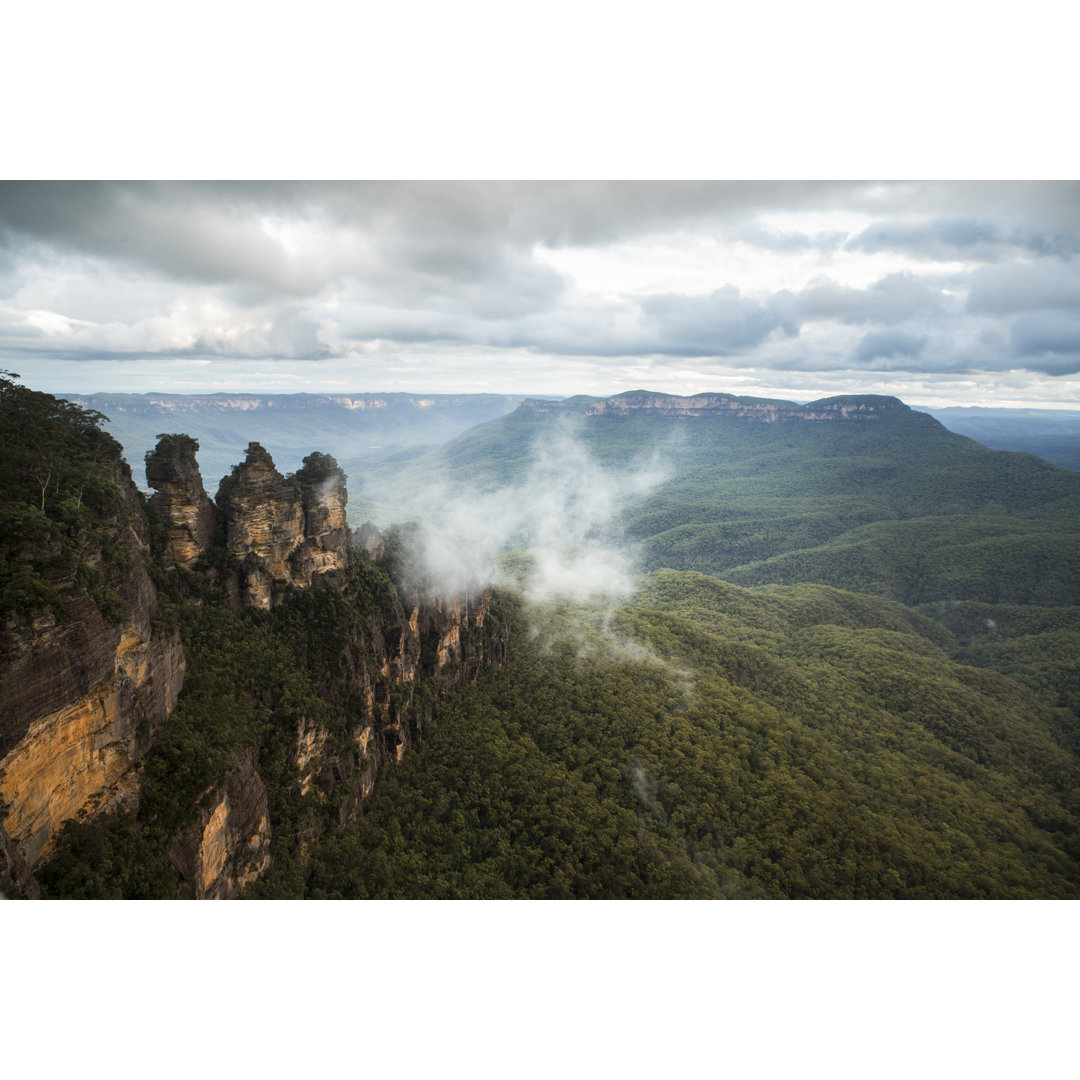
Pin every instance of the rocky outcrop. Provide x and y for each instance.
(323, 556)
(88, 674)
(399, 666)
(288, 532)
(85, 684)
(264, 522)
(378, 675)
(455, 643)
(228, 846)
(180, 499)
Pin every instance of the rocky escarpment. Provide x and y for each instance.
(393, 670)
(16, 877)
(87, 679)
(291, 710)
(180, 500)
(228, 845)
(866, 407)
(288, 532)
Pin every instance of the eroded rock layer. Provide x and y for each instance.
(228, 846)
(437, 644)
(180, 499)
(85, 684)
(288, 532)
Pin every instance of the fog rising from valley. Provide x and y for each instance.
(557, 524)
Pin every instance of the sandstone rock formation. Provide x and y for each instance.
(228, 847)
(371, 541)
(89, 677)
(85, 685)
(16, 878)
(288, 531)
(180, 499)
(323, 556)
(438, 644)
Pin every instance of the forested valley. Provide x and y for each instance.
(849, 668)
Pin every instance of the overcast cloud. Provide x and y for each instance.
(955, 293)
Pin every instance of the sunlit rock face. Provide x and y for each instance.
(228, 846)
(84, 690)
(180, 499)
(287, 531)
(264, 515)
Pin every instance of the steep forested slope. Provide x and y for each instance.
(885, 501)
(718, 741)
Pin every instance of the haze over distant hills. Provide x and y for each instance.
(1051, 433)
(860, 492)
(356, 427)
(288, 425)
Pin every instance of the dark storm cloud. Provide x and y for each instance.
(308, 270)
(885, 344)
(213, 231)
(1049, 341)
(892, 299)
(1012, 288)
(717, 325)
(207, 233)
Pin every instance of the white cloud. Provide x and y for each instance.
(555, 288)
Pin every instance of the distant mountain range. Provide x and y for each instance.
(355, 427)
(858, 492)
(1052, 434)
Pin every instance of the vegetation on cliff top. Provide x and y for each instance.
(60, 505)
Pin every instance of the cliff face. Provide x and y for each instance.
(228, 846)
(401, 662)
(288, 532)
(16, 878)
(323, 555)
(86, 683)
(88, 677)
(857, 408)
(180, 499)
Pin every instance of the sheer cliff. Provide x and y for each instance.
(88, 673)
(196, 689)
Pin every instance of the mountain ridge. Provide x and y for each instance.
(836, 407)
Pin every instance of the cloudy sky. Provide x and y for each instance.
(940, 293)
